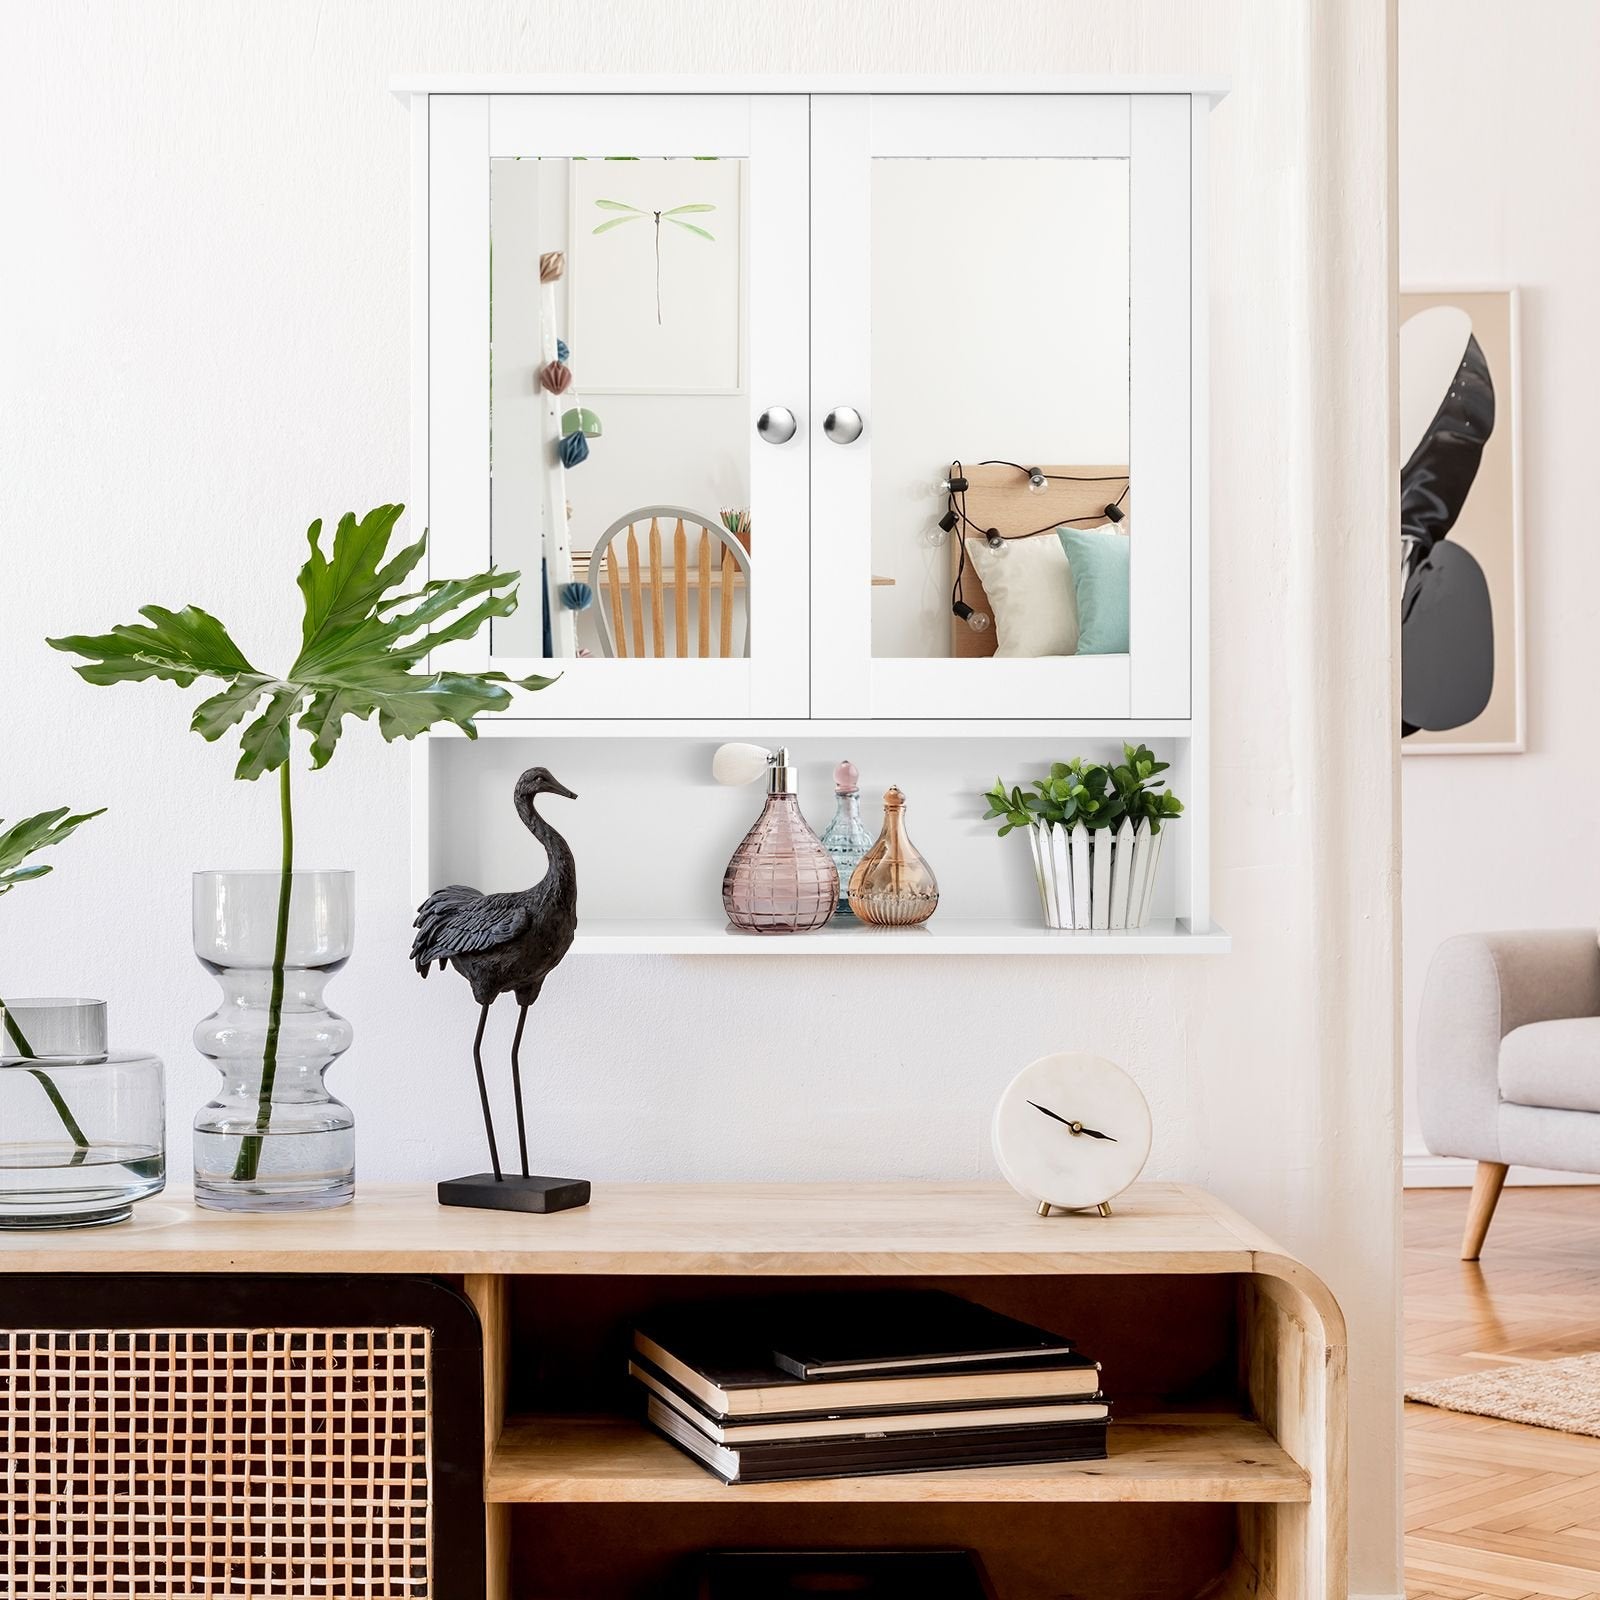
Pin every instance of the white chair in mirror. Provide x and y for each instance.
(687, 572)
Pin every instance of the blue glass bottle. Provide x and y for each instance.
(846, 838)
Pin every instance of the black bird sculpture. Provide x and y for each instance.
(507, 944)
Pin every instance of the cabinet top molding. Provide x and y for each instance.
(1203, 86)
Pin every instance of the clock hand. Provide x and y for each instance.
(1049, 1113)
(1075, 1127)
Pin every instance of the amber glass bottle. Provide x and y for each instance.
(892, 886)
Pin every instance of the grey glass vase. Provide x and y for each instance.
(82, 1127)
(274, 1138)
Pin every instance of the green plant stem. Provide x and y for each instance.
(63, 1110)
(249, 1160)
(80, 1142)
(16, 1033)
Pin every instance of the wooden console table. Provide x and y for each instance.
(1224, 1358)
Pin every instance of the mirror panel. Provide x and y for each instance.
(644, 424)
(1000, 334)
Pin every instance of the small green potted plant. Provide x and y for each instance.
(1096, 830)
(274, 1138)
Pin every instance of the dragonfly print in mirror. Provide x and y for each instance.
(674, 215)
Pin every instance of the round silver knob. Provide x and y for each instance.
(843, 425)
(776, 425)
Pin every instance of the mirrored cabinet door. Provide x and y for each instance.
(1001, 378)
(617, 351)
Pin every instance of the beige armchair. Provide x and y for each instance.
(1509, 1059)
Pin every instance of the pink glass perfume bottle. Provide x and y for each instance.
(781, 879)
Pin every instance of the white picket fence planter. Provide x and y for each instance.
(1102, 878)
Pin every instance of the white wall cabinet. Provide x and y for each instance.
(816, 315)
(917, 273)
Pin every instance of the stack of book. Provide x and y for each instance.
(847, 1385)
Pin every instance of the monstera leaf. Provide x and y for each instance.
(360, 646)
(28, 837)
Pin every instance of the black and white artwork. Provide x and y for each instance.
(1460, 533)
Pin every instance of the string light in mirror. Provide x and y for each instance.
(954, 485)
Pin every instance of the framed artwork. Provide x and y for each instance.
(1461, 630)
(656, 275)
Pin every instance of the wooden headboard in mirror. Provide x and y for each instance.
(999, 497)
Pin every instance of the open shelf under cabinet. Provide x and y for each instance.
(652, 833)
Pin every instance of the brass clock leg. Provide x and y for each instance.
(1105, 1208)
(1044, 1208)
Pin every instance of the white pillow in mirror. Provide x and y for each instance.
(1029, 584)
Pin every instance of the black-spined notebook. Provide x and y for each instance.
(884, 1332)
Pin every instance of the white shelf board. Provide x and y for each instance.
(946, 936)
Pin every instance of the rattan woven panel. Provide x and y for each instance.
(215, 1464)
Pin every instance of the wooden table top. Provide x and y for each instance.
(832, 1229)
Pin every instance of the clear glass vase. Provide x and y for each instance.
(273, 1139)
(82, 1127)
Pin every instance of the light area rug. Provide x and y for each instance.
(1563, 1394)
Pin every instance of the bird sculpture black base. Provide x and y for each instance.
(504, 943)
(493, 1191)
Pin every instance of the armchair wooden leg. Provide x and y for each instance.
(1486, 1187)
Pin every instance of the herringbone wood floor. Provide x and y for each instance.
(1496, 1509)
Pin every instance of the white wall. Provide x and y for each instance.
(1498, 131)
(203, 307)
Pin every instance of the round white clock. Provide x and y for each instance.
(1071, 1130)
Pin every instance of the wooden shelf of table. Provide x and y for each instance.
(901, 1230)
(614, 1460)
(1279, 1473)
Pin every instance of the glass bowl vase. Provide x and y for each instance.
(82, 1127)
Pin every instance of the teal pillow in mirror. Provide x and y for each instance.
(1099, 564)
